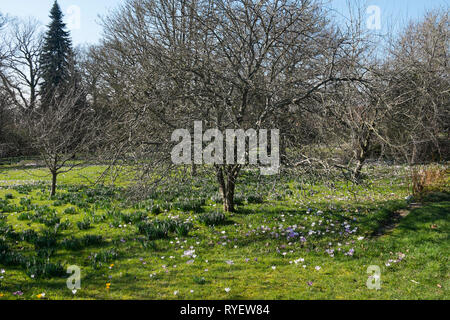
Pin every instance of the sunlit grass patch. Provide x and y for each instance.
(300, 240)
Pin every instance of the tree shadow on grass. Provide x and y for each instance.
(427, 215)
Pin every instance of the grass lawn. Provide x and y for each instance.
(291, 238)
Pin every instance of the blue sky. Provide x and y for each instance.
(88, 30)
(396, 13)
(83, 15)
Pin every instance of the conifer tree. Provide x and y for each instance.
(55, 59)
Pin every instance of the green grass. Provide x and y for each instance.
(247, 253)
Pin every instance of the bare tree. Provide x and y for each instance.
(419, 86)
(5, 120)
(230, 64)
(59, 134)
(21, 66)
(4, 97)
(399, 110)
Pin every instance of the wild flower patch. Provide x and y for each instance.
(160, 228)
(195, 205)
(213, 218)
(98, 259)
(42, 268)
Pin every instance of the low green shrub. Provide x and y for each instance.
(42, 268)
(154, 231)
(71, 210)
(102, 257)
(182, 229)
(85, 224)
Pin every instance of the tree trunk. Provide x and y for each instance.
(361, 156)
(226, 177)
(54, 175)
(228, 197)
(357, 171)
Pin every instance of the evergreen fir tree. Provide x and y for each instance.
(55, 59)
